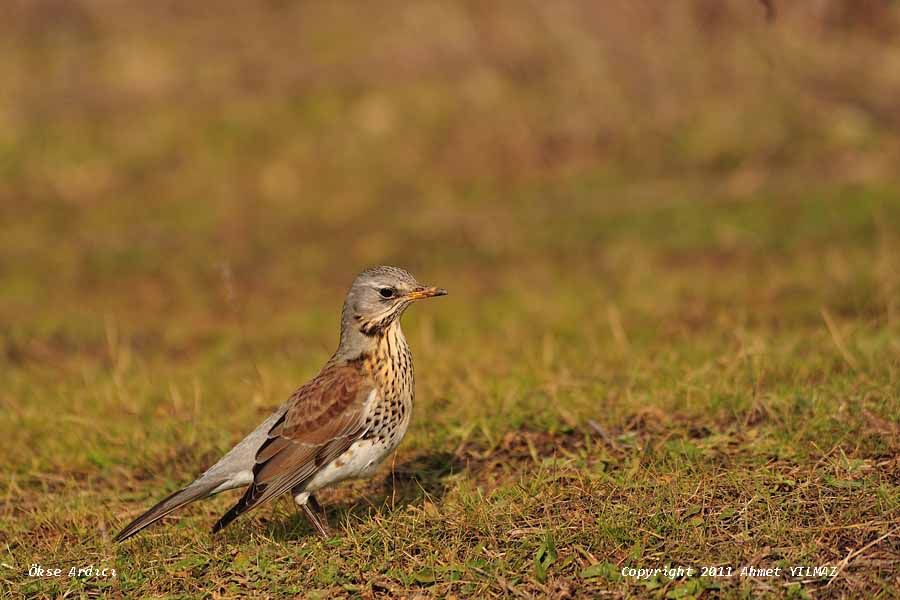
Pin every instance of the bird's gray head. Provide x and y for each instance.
(376, 300)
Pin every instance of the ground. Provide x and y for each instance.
(658, 349)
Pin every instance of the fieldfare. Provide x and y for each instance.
(340, 425)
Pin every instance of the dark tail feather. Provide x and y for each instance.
(247, 501)
(228, 517)
(165, 506)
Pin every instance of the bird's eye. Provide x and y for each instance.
(386, 292)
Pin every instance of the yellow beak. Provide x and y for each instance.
(426, 292)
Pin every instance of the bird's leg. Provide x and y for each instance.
(315, 506)
(310, 507)
(320, 528)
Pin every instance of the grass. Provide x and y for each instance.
(699, 383)
(671, 338)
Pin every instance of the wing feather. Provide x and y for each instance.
(323, 419)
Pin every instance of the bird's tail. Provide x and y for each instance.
(170, 503)
(242, 505)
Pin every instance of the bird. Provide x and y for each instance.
(340, 425)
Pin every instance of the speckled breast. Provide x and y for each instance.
(392, 368)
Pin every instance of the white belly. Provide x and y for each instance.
(360, 460)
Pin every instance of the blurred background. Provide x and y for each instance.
(680, 220)
(188, 188)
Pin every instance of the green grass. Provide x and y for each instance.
(605, 387)
(673, 328)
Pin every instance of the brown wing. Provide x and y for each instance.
(325, 417)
